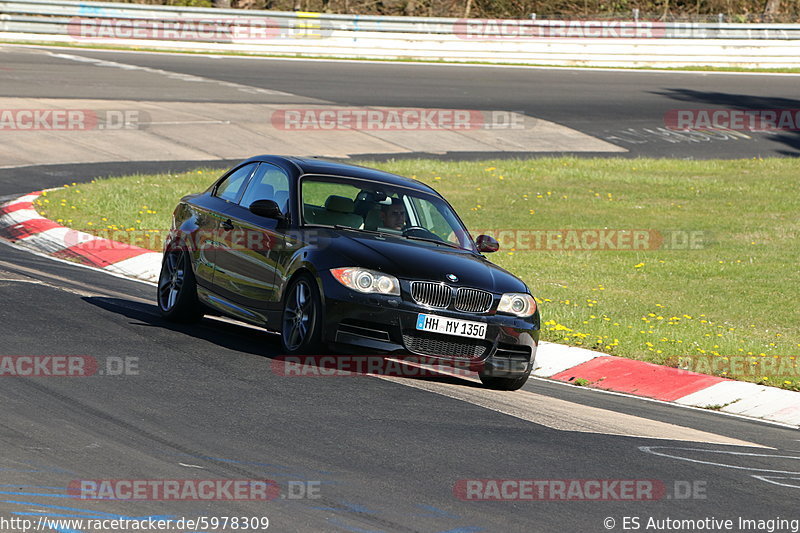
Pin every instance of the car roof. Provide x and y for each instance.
(322, 166)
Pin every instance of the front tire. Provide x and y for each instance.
(177, 289)
(504, 383)
(301, 322)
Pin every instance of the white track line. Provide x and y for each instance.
(410, 63)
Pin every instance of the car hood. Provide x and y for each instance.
(414, 260)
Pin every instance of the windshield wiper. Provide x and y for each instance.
(435, 241)
(385, 234)
(373, 232)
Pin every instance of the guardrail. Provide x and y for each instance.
(606, 43)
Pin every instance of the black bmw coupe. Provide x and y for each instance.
(340, 257)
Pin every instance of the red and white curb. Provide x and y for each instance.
(618, 374)
(21, 224)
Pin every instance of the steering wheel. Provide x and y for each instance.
(419, 231)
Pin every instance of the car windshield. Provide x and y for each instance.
(392, 211)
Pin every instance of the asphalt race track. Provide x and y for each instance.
(625, 109)
(359, 454)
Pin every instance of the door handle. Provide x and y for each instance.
(227, 225)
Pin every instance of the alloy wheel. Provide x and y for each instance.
(171, 281)
(298, 316)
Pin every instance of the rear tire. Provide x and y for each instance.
(177, 289)
(301, 321)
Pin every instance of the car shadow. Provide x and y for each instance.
(789, 138)
(224, 334)
(256, 341)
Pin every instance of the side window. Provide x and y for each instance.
(316, 193)
(329, 203)
(229, 189)
(268, 183)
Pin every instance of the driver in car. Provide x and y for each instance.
(393, 215)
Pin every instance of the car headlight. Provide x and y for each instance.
(517, 303)
(367, 281)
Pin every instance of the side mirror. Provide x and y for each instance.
(267, 209)
(487, 243)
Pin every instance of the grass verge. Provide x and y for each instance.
(723, 304)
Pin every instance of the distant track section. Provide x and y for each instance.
(545, 42)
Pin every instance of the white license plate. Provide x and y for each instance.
(451, 326)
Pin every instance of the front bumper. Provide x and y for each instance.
(372, 323)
